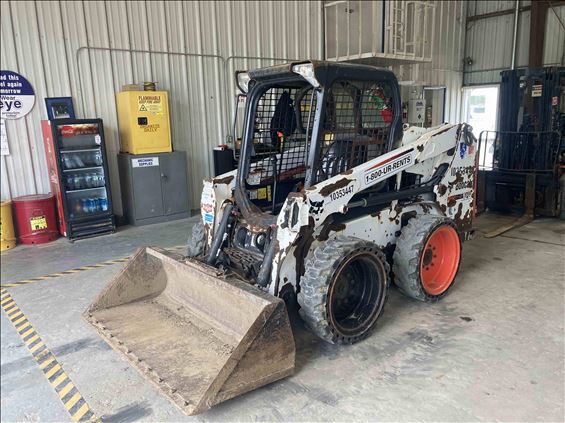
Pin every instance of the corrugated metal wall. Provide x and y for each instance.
(554, 46)
(89, 49)
(489, 40)
(63, 50)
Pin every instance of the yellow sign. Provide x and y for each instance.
(150, 103)
(38, 222)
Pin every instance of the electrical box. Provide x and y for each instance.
(144, 124)
(416, 111)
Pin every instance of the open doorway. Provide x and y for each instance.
(480, 110)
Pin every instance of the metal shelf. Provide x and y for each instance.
(80, 151)
(85, 189)
(81, 168)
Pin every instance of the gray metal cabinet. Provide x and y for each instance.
(154, 187)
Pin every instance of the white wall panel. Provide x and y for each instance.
(57, 46)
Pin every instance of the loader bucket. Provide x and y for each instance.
(201, 338)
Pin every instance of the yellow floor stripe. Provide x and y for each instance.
(66, 389)
(46, 363)
(22, 327)
(36, 347)
(78, 269)
(12, 310)
(58, 381)
(74, 399)
(27, 332)
(80, 412)
(32, 340)
(40, 355)
(53, 370)
(44, 359)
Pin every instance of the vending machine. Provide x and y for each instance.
(78, 173)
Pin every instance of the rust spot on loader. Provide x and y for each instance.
(464, 222)
(441, 189)
(227, 180)
(331, 227)
(327, 190)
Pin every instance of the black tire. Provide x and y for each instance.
(409, 255)
(328, 299)
(197, 241)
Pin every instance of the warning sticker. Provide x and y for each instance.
(38, 222)
(150, 103)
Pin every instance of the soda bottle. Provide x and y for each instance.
(77, 183)
(67, 164)
(78, 207)
(98, 158)
(84, 204)
(88, 180)
(70, 182)
(77, 160)
(104, 204)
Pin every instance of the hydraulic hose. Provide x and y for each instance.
(264, 276)
(219, 236)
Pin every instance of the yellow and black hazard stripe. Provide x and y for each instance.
(68, 393)
(71, 271)
(63, 273)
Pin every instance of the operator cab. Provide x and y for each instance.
(307, 122)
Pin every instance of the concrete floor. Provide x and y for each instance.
(492, 350)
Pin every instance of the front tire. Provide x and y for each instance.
(197, 242)
(427, 257)
(343, 290)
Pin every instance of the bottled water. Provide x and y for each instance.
(98, 158)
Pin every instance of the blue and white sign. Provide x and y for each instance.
(16, 95)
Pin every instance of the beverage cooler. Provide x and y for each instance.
(78, 172)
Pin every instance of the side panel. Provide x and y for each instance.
(456, 193)
(54, 173)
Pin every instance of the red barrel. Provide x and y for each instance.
(35, 218)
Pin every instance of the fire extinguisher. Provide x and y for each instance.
(404, 112)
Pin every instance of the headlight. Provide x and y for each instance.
(242, 81)
(306, 70)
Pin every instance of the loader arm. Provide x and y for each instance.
(422, 156)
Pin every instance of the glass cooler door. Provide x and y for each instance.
(83, 169)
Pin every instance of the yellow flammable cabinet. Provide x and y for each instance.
(143, 118)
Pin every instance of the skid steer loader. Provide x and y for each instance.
(331, 200)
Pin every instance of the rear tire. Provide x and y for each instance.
(343, 290)
(197, 241)
(427, 257)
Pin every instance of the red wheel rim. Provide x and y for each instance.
(440, 260)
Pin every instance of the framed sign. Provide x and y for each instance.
(60, 108)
